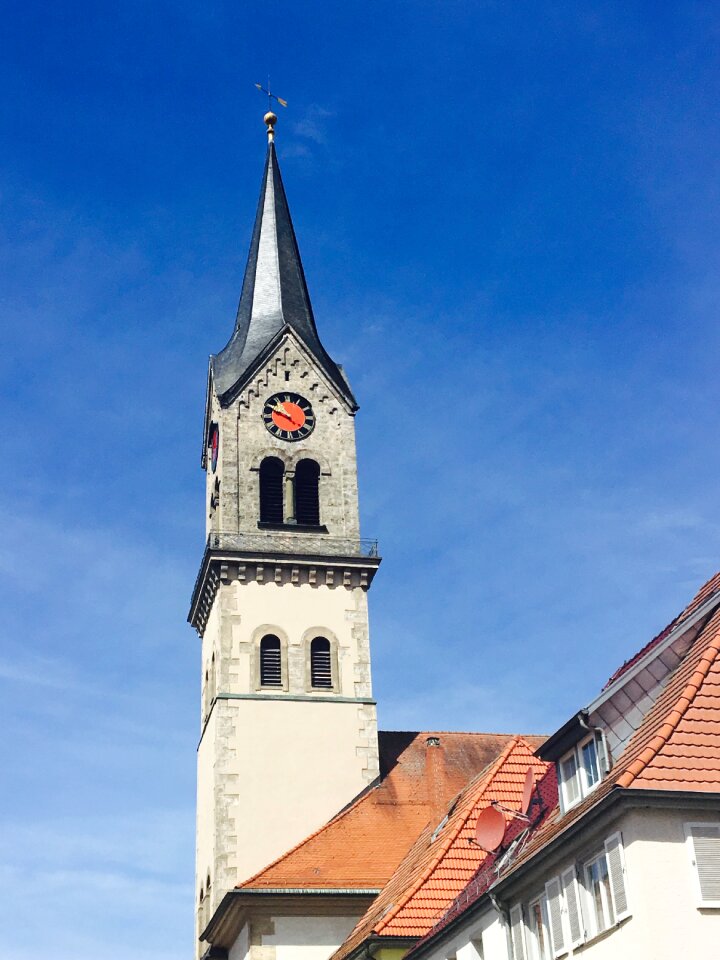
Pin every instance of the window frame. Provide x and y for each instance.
(700, 902)
(532, 942)
(590, 913)
(307, 640)
(581, 778)
(615, 894)
(269, 629)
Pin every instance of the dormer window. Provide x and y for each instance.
(579, 772)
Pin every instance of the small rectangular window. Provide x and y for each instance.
(579, 772)
(703, 841)
(539, 940)
(569, 780)
(597, 885)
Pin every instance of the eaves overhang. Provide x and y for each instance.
(333, 561)
(369, 947)
(227, 920)
(563, 739)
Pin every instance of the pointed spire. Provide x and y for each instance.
(274, 293)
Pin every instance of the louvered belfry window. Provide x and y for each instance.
(270, 661)
(307, 494)
(271, 490)
(321, 664)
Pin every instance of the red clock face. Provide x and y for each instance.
(288, 416)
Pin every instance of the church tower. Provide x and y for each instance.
(288, 723)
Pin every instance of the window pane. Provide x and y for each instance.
(538, 925)
(599, 890)
(589, 759)
(568, 772)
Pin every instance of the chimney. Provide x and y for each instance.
(435, 778)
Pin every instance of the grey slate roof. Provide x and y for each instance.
(274, 293)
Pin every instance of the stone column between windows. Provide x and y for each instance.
(289, 496)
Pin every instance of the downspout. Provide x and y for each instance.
(582, 718)
(500, 908)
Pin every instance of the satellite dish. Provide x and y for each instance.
(490, 829)
(527, 790)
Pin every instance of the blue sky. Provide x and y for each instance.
(508, 215)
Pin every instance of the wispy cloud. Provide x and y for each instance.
(312, 125)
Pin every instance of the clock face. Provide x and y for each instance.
(288, 416)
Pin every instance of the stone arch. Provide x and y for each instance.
(333, 660)
(269, 630)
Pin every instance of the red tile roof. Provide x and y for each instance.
(445, 857)
(362, 846)
(677, 747)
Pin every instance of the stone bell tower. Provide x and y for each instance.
(288, 722)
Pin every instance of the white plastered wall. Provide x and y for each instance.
(665, 923)
(271, 769)
(292, 938)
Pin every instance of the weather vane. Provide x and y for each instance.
(270, 118)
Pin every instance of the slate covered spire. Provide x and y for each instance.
(274, 292)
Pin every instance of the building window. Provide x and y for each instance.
(307, 493)
(321, 677)
(579, 772)
(597, 885)
(539, 939)
(272, 472)
(605, 888)
(270, 661)
(703, 841)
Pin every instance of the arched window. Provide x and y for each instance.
(271, 490)
(307, 498)
(270, 661)
(321, 664)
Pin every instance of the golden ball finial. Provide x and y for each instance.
(270, 120)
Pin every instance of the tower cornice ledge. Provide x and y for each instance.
(280, 558)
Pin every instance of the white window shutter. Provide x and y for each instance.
(706, 857)
(576, 929)
(616, 873)
(554, 902)
(517, 932)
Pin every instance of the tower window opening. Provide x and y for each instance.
(271, 490)
(321, 664)
(307, 494)
(270, 661)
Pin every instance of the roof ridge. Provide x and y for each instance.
(484, 779)
(467, 733)
(673, 718)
